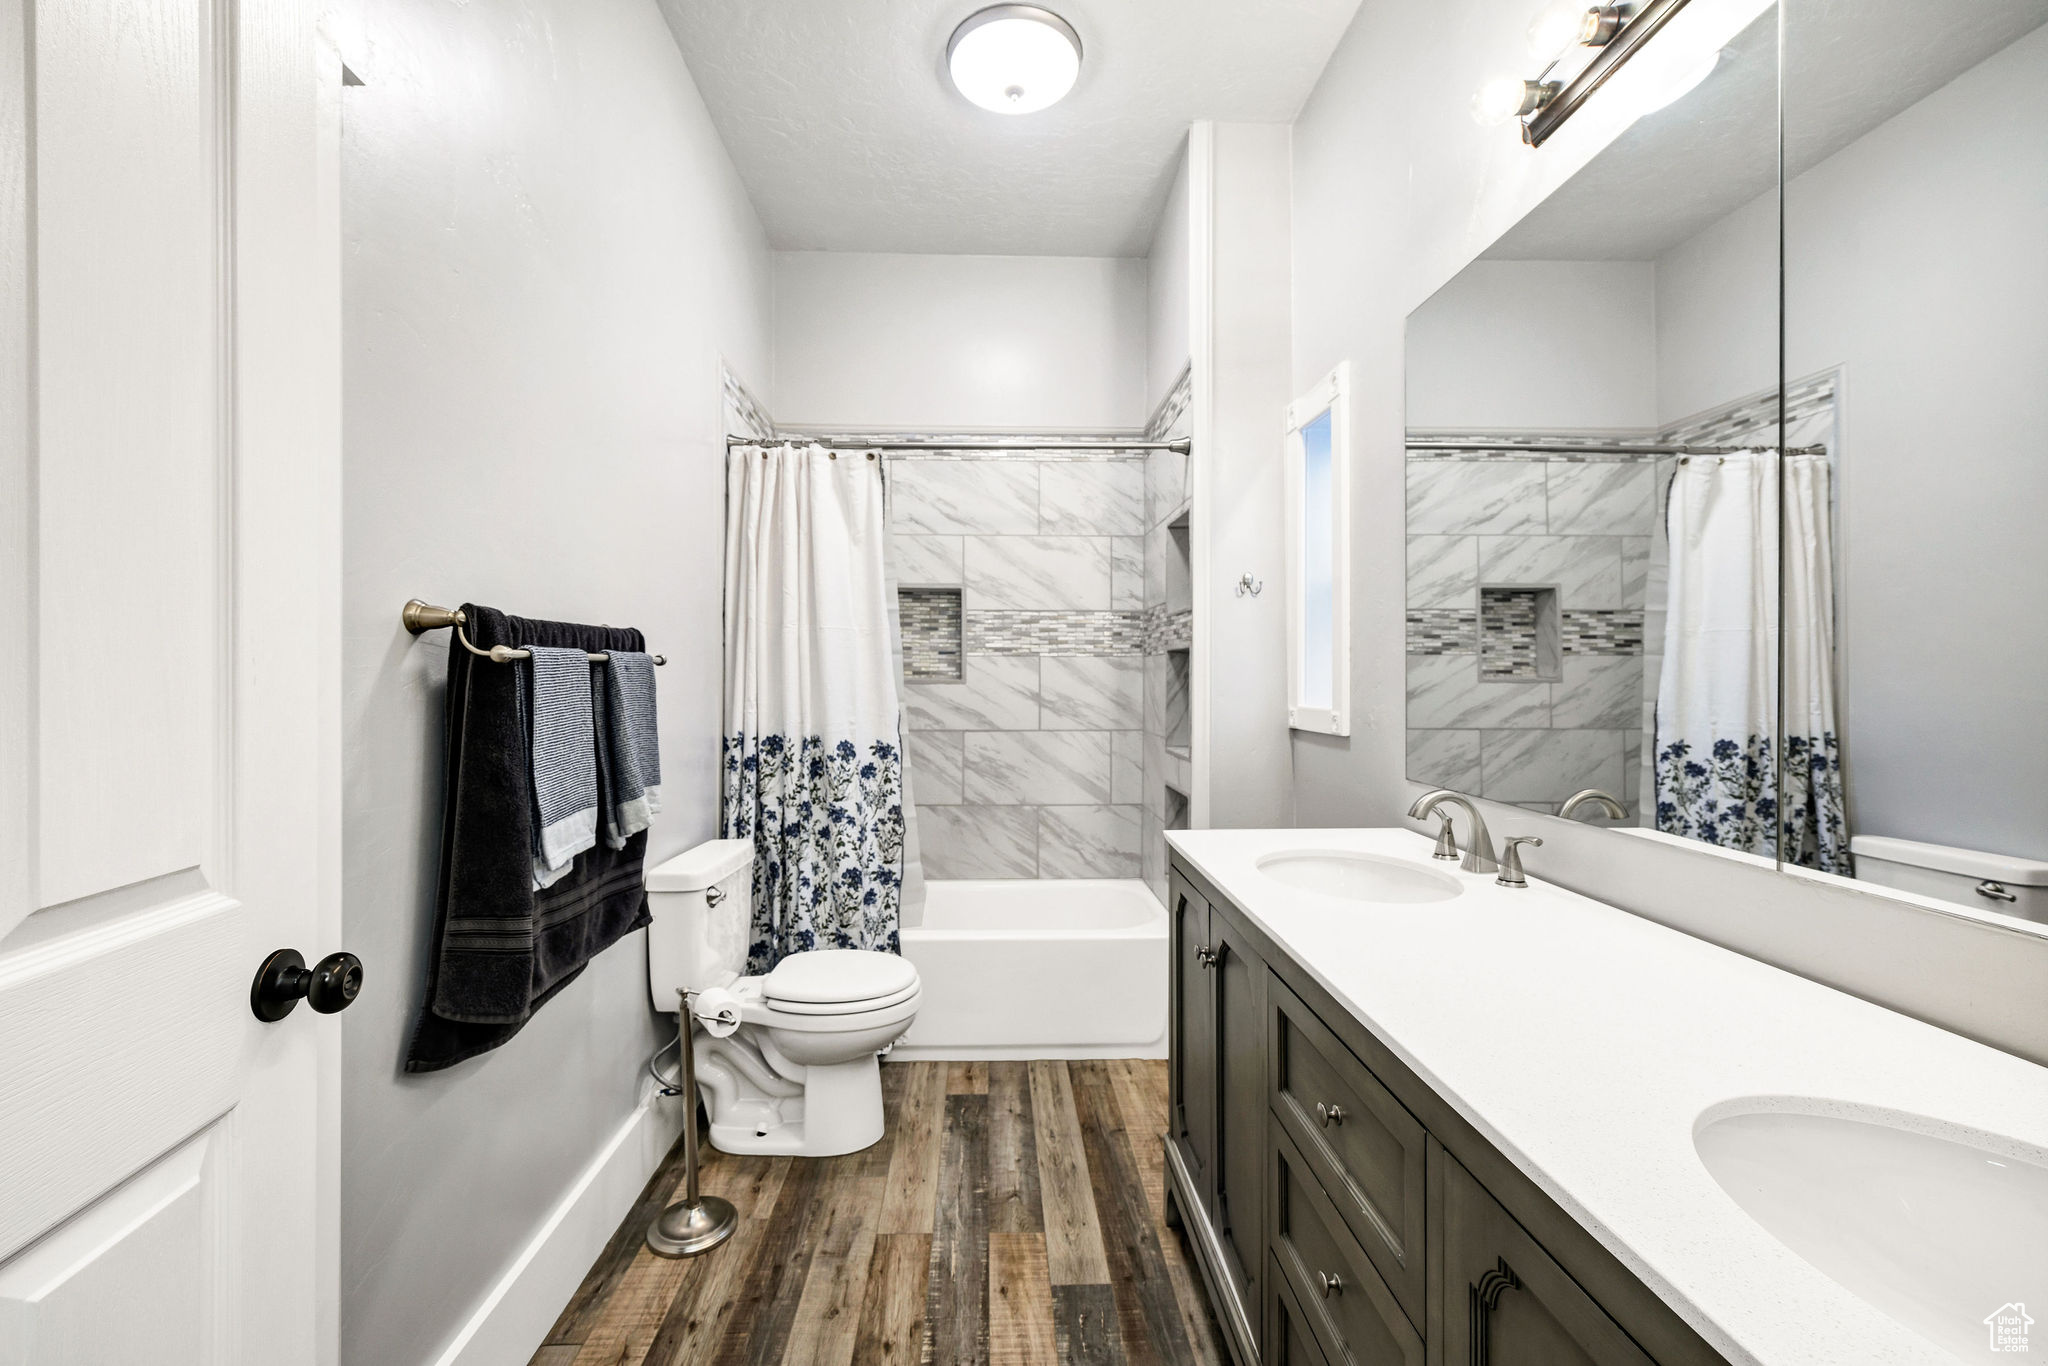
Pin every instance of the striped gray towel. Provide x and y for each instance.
(631, 746)
(564, 761)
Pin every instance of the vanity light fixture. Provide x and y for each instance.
(1559, 35)
(1014, 59)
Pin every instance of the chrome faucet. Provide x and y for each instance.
(1615, 809)
(1479, 846)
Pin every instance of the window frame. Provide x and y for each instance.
(1331, 394)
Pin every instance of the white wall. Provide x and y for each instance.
(546, 252)
(1488, 349)
(1395, 189)
(1944, 354)
(959, 343)
(1241, 397)
(1167, 286)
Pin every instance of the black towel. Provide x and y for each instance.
(500, 948)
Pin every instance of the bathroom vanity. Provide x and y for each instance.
(1417, 1117)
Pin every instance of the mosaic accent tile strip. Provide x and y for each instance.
(1602, 632)
(744, 414)
(1017, 632)
(931, 633)
(1509, 620)
(1165, 629)
(1754, 419)
(1443, 631)
(1172, 406)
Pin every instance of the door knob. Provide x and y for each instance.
(1330, 1285)
(1329, 1114)
(329, 985)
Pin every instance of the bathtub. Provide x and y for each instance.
(1055, 969)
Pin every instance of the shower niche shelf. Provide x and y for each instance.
(1520, 634)
(932, 628)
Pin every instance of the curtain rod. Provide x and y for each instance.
(1605, 450)
(862, 443)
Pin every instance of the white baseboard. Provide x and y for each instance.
(939, 1052)
(508, 1326)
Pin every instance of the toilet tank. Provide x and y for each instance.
(1969, 877)
(701, 904)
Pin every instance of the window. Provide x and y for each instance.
(1318, 560)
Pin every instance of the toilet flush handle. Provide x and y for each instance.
(713, 895)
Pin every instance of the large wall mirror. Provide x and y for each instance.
(1773, 577)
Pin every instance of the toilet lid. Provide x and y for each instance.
(828, 976)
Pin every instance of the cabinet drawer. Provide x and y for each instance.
(1366, 1149)
(1353, 1315)
(1506, 1301)
(1289, 1339)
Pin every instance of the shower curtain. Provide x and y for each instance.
(1719, 689)
(813, 767)
(1816, 821)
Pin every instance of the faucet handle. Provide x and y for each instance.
(1446, 840)
(1511, 860)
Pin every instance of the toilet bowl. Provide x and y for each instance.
(800, 1074)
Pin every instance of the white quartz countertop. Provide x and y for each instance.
(1586, 1042)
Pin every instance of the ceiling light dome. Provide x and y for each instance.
(1014, 59)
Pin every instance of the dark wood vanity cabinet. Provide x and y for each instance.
(1217, 1095)
(1341, 1213)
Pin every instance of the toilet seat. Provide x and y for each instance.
(837, 977)
(842, 1007)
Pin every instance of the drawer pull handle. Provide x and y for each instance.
(1206, 956)
(1332, 1285)
(1329, 1114)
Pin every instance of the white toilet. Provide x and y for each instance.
(1989, 882)
(800, 1075)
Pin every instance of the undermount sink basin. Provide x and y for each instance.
(1940, 1232)
(1359, 877)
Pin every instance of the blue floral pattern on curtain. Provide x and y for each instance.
(1726, 796)
(827, 825)
(1816, 823)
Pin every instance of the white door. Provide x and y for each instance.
(169, 441)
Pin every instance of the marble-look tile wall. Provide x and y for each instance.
(1168, 600)
(1030, 765)
(1546, 701)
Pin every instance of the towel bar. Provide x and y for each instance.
(421, 616)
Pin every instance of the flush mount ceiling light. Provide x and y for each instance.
(1014, 59)
(1582, 47)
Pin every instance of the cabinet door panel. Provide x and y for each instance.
(1506, 1303)
(1191, 1072)
(1366, 1149)
(1241, 1098)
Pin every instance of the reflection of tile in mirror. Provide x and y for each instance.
(1498, 497)
(1445, 691)
(1444, 758)
(1548, 765)
(1586, 570)
(1598, 693)
(1519, 634)
(1601, 497)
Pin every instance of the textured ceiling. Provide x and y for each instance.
(849, 136)
(1849, 66)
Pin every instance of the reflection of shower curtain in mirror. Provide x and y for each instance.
(813, 718)
(1816, 824)
(1719, 687)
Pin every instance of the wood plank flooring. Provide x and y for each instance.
(1012, 1215)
